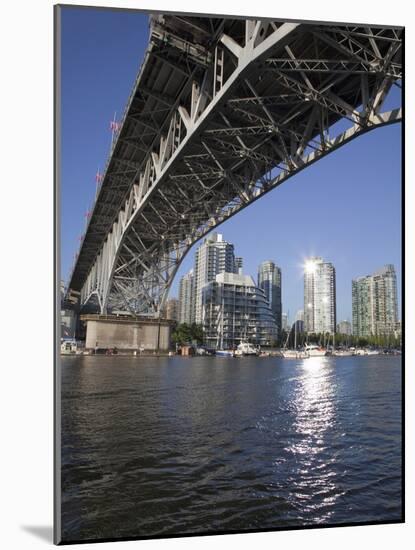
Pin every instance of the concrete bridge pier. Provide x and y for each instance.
(127, 333)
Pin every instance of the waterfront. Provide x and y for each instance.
(161, 446)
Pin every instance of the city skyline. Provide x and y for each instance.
(217, 256)
(294, 315)
(346, 207)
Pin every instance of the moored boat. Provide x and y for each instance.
(224, 353)
(315, 351)
(343, 352)
(294, 354)
(245, 348)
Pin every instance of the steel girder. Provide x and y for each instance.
(251, 110)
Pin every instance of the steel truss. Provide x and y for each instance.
(252, 109)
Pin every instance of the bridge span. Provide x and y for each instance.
(222, 112)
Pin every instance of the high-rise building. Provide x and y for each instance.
(236, 310)
(69, 317)
(269, 280)
(68, 322)
(319, 296)
(285, 321)
(186, 298)
(172, 309)
(375, 303)
(344, 327)
(213, 256)
(239, 263)
(299, 316)
(362, 307)
(398, 330)
(385, 300)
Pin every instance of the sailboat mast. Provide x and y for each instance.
(221, 330)
(288, 337)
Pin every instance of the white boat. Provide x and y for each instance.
(224, 353)
(315, 351)
(245, 348)
(294, 354)
(343, 352)
(70, 346)
(367, 352)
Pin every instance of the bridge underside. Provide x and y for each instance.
(222, 112)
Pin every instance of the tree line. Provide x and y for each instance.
(185, 333)
(342, 340)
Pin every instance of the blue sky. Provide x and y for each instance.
(346, 207)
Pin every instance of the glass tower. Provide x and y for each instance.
(319, 296)
(269, 280)
(235, 310)
(186, 298)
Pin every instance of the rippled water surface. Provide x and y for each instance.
(161, 446)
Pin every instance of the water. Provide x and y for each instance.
(161, 446)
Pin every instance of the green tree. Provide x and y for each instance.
(196, 332)
(186, 334)
(181, 334)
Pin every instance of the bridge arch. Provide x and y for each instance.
(252, 110)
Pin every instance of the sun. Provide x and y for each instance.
(310, 266)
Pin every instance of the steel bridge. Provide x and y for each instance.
(222, 112)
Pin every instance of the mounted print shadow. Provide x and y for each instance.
(239, 378)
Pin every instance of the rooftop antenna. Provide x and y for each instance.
(87, 215)
(114, 127)
(98, 180)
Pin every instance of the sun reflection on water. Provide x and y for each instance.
(313, 405)
(313, 482)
